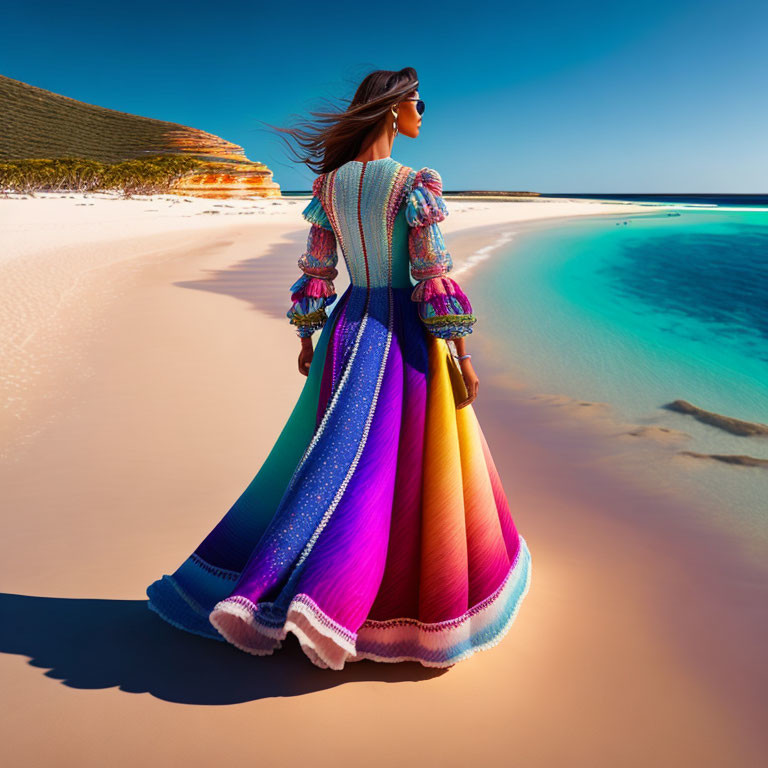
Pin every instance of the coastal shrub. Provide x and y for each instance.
(145, 176)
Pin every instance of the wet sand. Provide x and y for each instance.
(159, 391)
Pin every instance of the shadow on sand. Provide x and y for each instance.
(120, 643)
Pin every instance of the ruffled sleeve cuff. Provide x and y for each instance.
(309, 296)
(308, 315)
(311, 293)
(314, 290)
(444, 309)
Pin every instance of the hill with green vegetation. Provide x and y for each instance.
(36, 124)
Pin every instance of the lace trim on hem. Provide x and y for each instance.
(329, 645)
(325, 642)
(491, 643)
(422, 653)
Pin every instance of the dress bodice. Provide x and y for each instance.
(364, 202)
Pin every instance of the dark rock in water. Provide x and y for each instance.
(728, 423)
(729, 458)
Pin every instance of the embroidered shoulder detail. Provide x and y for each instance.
(317, 185)
(431, 179)
(408, 183)
(425, 204)
(402, 183)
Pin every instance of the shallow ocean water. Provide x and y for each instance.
(638, 311)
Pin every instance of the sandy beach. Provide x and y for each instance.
(147, 369)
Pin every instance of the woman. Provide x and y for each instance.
(377, 528)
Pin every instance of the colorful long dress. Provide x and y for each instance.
(377, 527)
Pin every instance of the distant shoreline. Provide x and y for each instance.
(693, 198)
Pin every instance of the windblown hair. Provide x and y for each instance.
(335, 137)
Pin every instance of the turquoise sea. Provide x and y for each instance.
(643, 309)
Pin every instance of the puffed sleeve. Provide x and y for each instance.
(314, 290)
(443, 307)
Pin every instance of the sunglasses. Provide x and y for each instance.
(419, 105)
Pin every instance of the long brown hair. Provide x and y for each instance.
(336, 136)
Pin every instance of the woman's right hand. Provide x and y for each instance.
(305, 356)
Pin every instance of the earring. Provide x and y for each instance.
(395, 130)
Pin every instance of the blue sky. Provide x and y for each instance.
(552, 97)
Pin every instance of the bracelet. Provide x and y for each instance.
(463, 357)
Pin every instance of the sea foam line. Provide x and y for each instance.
(481, 254)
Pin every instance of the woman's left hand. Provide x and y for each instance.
(471, 381)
